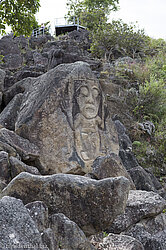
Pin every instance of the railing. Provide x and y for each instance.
(63, 21)
(41, 31)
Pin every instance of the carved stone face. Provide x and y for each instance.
(88, 100)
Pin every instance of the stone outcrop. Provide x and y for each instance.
(121, 242)
(17, 166)
(63, 112)
(56, 118)
(9, 114)
(141, 204)
(110, 166)
(27, 151)
(67, 234)
(144, 180)
(17, 229)
(150, 231)
(92, 204)
(39, 213)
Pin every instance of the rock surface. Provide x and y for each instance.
(140, 204)
(144, 180)
(4, 167)
(120, 242)
(68, 234)
(39, 213)
(110, 166)
(23, 147)
(64, 114)
(17, 166)
(151, 232)
(9, 115)
(17, 229)
(92, 204)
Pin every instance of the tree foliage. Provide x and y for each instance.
(91, 13)
(119, 38)
(19, 15)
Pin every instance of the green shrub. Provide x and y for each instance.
(151, 101)
(155, 46)
(118, 37)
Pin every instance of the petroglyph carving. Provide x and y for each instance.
(87, 121)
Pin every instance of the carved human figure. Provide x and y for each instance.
(88, 121)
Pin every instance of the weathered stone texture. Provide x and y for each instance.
(17, 229)
(4, 167)
(140, 204)
(26, 150)
(151, 232)
(2, 78)
(92, 204)
(68, 234)
(9, 115)
(64, 114)
(17, 166)
(120, 242)
(110, 166)
(39, 213)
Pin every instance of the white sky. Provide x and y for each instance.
(150, 14)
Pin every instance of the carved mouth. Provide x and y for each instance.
(90, 108)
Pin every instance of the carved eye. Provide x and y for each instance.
(95, 92)
(84, 91)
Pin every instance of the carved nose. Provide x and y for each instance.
(90, 98)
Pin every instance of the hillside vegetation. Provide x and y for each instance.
(146, 73)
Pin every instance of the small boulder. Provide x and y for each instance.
(39, 213)
(151, 232)
(144, 180)
(110, 166)
(17, 229)
(13, 61)
(140, 204)
(24, 148)
(9, 115)
(92, 204)
(128, 158)
(18, 166)
(121, 242)
(68, 234)
(4, 167)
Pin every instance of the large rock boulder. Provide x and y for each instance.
(68, 234)
(63, 112)
(2, 78)
(110, 166)
(92, 204)
(140, 205)
(150, 231)
(17, 229)
(144, 180)
(9, 115)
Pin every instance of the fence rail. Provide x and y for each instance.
(40, 31)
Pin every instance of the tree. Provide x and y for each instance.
(91, 13)
(119, 38)
(19, 15)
